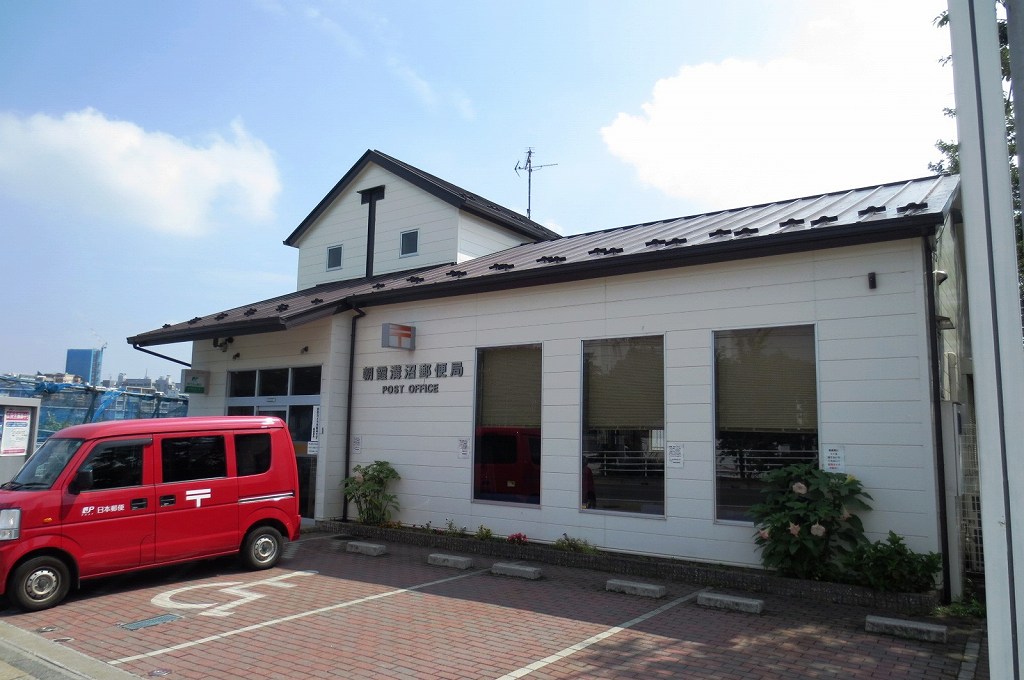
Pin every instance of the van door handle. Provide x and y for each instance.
(166, 500)
(139, 503)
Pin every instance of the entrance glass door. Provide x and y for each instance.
(293, 395)
(300, 419)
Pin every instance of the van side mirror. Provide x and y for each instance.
(81, 482)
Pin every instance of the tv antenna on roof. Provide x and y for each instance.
(530, 167)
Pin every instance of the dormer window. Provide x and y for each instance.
(334, 258)
(410, 243)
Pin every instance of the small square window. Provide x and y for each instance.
(410, 243)
(334, 258)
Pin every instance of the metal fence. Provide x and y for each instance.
(970, 504)
(63, 405)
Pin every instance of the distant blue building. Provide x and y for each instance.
(85, 363)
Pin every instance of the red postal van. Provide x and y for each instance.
(112, 497)
(507, 466)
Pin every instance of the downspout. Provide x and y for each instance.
(348, 403)
(162, 356)
(936, 379)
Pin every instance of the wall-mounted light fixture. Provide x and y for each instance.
(304, 349)
(222, 345)
(872, 281)
(944, 323)
(237, 355)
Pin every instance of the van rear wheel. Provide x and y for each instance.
(262, 548)
(39, 583)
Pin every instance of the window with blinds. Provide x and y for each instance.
(623, 466)
(766, 410)
(506, 452)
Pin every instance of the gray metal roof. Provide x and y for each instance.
(446, 191)
(871, 214)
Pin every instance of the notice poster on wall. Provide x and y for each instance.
(834, 458)
(462, 447)
(14, 431)
(675, 455)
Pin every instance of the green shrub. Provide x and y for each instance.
(571, 544)
(367, 488)
(805, 525)
(452, 529)
(891, 566)
(965, 608)
(484, 534)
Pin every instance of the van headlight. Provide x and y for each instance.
(10, 524)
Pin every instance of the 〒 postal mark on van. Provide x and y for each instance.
(112, 497)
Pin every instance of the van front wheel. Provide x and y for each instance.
(40, 583)
(262, 548)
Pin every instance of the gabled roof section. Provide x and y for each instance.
(888, 212)
(446, 191)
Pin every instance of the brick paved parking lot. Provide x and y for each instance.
(327, 613)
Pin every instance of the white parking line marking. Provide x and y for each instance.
(580, 646)
(286, 619)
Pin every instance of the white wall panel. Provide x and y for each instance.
(872, 374)
(478, 237)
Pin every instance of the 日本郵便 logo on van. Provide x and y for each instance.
(90, 510)
(198, 495)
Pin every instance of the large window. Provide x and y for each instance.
(623, 467)
(766, 411)
(506, 455)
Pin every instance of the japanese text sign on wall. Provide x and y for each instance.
(424, 371)
(397, 336)
(195, 382)
(15, 426)
(835, 458)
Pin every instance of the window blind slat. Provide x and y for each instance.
(509, 381)
(765, 380)
(624, 383)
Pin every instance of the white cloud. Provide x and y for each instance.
(856, 99)
(336, 31)
(84, 164)
(408, 76)
(376, 34)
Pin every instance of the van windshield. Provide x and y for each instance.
(45, 465)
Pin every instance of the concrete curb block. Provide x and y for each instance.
(635, 588)
(747, 605)
(455, 561)
(911, 630)
(373, 549)
(517, 570)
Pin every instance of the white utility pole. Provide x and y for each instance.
(993, 298)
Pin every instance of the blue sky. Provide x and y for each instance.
(153, 156)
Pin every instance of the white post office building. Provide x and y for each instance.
(629, 386)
